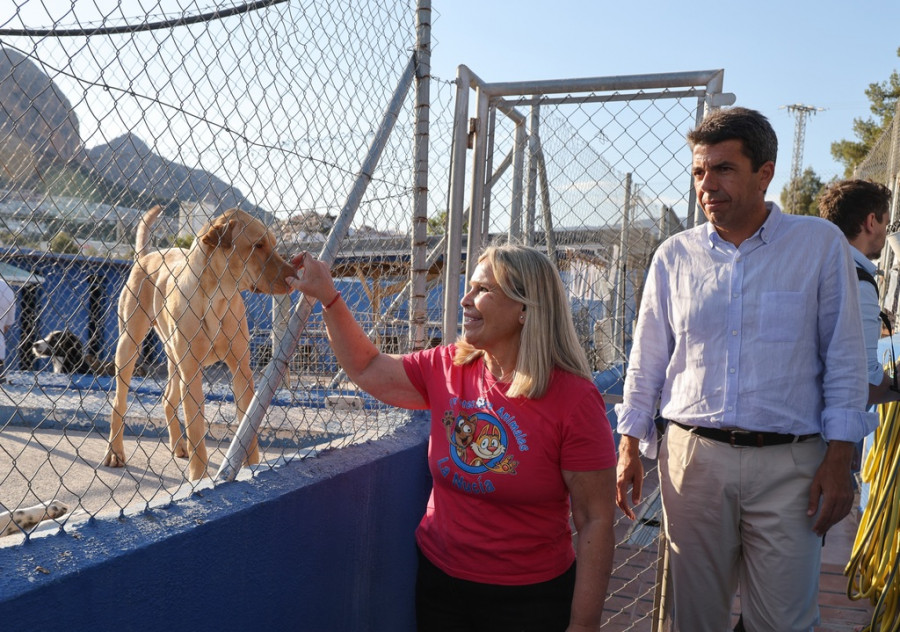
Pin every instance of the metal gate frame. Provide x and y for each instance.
(491, 98)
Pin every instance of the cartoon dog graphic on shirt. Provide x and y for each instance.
(460, 432)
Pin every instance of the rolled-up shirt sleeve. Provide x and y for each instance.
(843, 351)
(647, 363)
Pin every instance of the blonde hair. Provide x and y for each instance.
(548, 337)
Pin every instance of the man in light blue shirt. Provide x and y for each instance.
(861, 210)
(749, 342)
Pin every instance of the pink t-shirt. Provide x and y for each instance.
(499, 507)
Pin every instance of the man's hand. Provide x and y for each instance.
(629, 473)
(833, 486)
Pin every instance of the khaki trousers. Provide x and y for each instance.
(737, 517)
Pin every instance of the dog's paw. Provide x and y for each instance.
(57, 508)
(113, 459)
(28, 518)
(179, 449)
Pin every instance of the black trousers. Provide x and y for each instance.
(448, 604)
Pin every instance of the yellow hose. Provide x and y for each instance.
(873, 566)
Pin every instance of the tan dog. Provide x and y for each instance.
(192, 298)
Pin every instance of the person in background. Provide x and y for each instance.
(861, 210)
(7, 319)
(750, 342)
(517, 430)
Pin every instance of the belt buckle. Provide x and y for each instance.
(734, 432)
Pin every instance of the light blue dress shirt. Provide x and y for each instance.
(763, 337)
(871, 321)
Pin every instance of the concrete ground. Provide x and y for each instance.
(53, 438)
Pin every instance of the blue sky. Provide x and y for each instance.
(774, 53)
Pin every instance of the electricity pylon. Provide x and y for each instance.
(800, 112)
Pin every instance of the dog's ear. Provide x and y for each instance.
(220, 233)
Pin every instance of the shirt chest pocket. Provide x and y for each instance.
(782, 316)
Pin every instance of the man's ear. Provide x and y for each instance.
(766, 173)
(871, 222)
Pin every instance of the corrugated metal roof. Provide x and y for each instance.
(17, 276)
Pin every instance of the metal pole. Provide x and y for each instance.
(530, 199)
(623, 267)
(431, 259)
(456, 211)
(664, 227)
(281, 313)
(476, 205)
(545, 205)
(661, 591)
(275, 371)
(515, 218)
(488, 168)
(695, 216)
(418, 307)
(608, 84)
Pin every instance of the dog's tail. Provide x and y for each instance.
(142, 237)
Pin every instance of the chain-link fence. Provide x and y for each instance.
(107, 111)
(274, 107)
(595, 171)
(882, 165)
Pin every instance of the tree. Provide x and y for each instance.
(437, 225)
(883, 99)
(809, 185)
(62, 243)
(183, 241)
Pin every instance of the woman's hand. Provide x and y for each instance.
(313, 278)
(379, 374)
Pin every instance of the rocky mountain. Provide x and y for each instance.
(37, 124)
(39, 129)
(127, 161)
(34, 109)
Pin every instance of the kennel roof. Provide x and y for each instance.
(17, 276)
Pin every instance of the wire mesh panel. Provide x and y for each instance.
(603, 185)
(107, 111)
(595, 171)
(882, 165)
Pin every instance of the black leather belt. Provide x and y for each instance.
(745, 438)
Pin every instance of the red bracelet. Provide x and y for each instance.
(333, 301)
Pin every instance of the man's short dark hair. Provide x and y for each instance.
(848, 203)
(758, 140)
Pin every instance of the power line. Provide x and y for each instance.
(800, 113)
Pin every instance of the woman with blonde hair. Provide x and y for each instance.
(519, 442)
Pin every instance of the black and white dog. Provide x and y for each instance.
(20, 520)
(66, 351)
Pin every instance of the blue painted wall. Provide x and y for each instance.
(324, 544)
